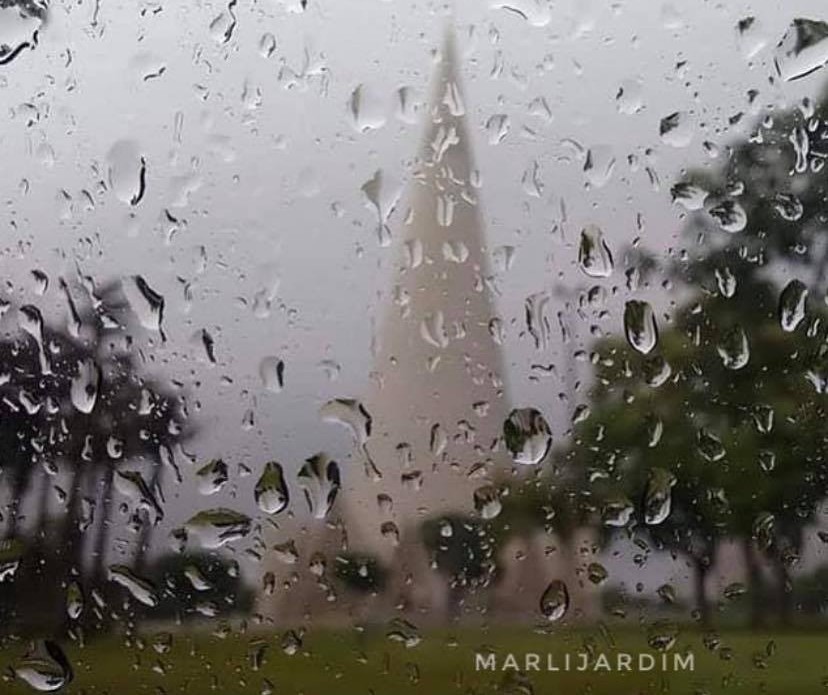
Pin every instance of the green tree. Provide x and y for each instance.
(730, 406)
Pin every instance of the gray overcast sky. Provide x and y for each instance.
(266, 176)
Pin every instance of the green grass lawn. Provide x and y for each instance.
(350, 663)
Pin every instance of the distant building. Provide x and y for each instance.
(438, 401)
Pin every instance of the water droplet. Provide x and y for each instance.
(20, 24)
(455, 251)
(667, 593)
(487, 501)
(132, 485)
(438, 440)
(537, 323)
(403, 631)
(147, 66)
(177, 540)
(617, 511)
(658, 496)
(319, 480)
(599, 165)
(196, 578)
(709, 445)
(84, 387)
(640, 326)
(31, 322)
(767, 461)
(656, 371)
(224, 24)
(594, 255)
(214, 528)
(433, 330)
(792, 305)
(763, 418)
(655, 429)
(162, 642)
(44, 667)
(690, 196)
(531, 180)
(271, 491)
(734, 590)
(629, 99)
(127, 171)
(527, 436)
(676, 130)
(734, 349)
(730, 215)
(286, 552)
(74, 601)
(554, 602)
(662, 636)
(291, 643)
(597, 573)
(497, 128)
(267, 45)
(763, 530)
(752, 39)
(538, 13)
(147, 304)
(41, 282)
(365, 111)
(407, 107)
(203, 341)
(802, 50)
(272, 374)
(212, 477)
(141, 589)
(726, 281)
(11, 554)
(351, 414)
(788, 206)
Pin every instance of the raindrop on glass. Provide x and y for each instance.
(271, 492)
(640, 326)
(594, 255)
(527, 436)
(319, 480)
(792, 305)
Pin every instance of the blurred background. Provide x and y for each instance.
(342, 342)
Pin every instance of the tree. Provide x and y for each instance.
(726, 414)
(197, 584)
(462, 549)
(74, 406)
(361, 572)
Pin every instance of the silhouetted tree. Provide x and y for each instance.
(75, 413)
(462, 549)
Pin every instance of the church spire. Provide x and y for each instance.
(437, 403)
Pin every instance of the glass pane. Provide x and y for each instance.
(363, 347)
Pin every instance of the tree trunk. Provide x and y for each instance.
(700, 572)
(70, 545)
(145, 536)
(784, 592)
(454, 604)
(20, 483)
(102, 536)
(756, 588)
(43, 508)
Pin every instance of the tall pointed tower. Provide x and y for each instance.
(437, 399)
(437, 404)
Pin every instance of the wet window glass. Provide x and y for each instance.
(368, 346)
